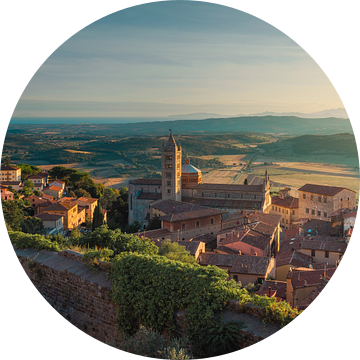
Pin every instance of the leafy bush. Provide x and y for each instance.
(151, 289)
(29, 241)
(149, 343)
(219, 338)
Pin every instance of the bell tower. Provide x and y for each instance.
(171, 170)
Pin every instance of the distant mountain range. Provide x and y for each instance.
(265, 124)
(338, 113)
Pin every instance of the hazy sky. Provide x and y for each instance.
(169, 58)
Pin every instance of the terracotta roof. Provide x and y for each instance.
(322, 189)
(192, 214)
(350, 214)
(146, 182)
(9, 168)
(225, 203)
(205, 238)
(54, 188)
(88, 200)
(317, 227)
(240, 264)
(230, 187)
(301, 277)
(10, 183)
(58, 181)
(332, 246)
(149, 196)
(289, 202)
(288, 247)
(60, 206)
(191, 246)
(279, 286)
(48, 217)
(156, 233)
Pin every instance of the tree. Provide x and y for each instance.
(133, 227)
(29, 184)
(174, 251)
(98, 217)
(13, 214)
(7, 161)
(154, 223)
(28, 170)
(32, 225)
(108, 197)
(81, 193)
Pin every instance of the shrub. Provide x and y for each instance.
(219, 338)
(29, 241)
(149, 343)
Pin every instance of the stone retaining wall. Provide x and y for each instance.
(83, 297)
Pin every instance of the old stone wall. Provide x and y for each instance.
(83, 297)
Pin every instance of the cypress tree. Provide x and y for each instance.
(98, 217)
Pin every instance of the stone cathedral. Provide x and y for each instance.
(183, 183)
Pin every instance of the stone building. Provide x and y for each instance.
(184, 183)
(286, 206)
(320, 201)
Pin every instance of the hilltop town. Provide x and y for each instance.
(283, 246)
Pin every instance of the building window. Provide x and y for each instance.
(312, 212)
(287, 221)
(228, 195)
(169, 191)
(169, 183)
(325, 200)
(304, 196)
(287, 211)
(282, 210)
(326, 254)
(293, 212)
(168, 176)
(312, 197)
(313, 253)
(168, 157)
(212, 221)
(307, 210)
(319, 198)
(183, 226)
(168, 166)
(197, 224)
(319, 213)
(325, 214)
(202, 194)
(273, 207)
(235, 277)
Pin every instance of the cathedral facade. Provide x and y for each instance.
(183, 183)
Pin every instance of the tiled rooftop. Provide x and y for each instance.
(322, 189)
(279, 286)
(289, 202)
(240, 264)
(301, 277)
(230, 187)
(332, 246)
(146, 182)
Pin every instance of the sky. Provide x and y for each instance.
(178, 57)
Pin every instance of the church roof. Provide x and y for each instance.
(189, 169)
(171, 142)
